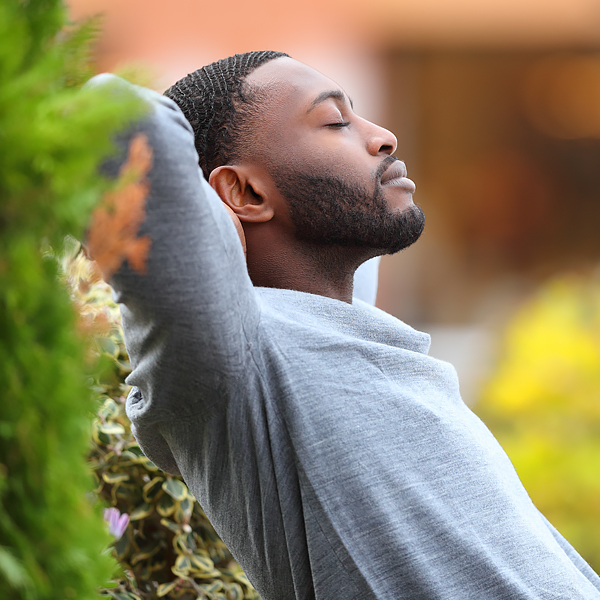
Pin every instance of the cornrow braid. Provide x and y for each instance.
(214, 101)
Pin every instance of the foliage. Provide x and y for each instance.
(52, 136)
(169, 549)
(53, 541)
(544, 406)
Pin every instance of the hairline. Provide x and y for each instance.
(247, 105)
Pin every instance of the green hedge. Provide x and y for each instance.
(52, 136)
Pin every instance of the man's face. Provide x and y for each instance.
(333, 169)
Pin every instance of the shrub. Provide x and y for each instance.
(52, 136)
(169, 548)
(543, 403)
(53, 541)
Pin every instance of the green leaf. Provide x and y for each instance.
(175, 527)
(202, 562)
(109, 409)
(208, 574)
(183, 563)
(113, 478)
(181, 574)
(175, 488)
(152, 488)
(112, 428)
(125, 596)
(166, 506)
(149, 465)
(141, 512)
(127, 491)
(164, 588)
(242, 578)
(234, 592)
(99, 437)
(145, 553)
(180, 543)
(128, 455)
(13, 571)
(186, 507)
(135, 449)
(211, 588)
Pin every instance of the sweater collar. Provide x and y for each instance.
(359, 319)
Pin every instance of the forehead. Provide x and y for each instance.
(290, 87)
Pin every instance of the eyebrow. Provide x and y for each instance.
(326, 95)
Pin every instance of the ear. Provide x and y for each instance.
(242, 193)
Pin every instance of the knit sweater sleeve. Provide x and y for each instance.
(190, 319)
(573, 555)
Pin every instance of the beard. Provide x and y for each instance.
(326, 210)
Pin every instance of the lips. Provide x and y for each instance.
(395, 175)
(396, 170)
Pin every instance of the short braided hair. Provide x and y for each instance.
(218, 106)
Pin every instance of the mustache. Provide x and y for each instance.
(383, 167)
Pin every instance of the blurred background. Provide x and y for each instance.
(496, 107)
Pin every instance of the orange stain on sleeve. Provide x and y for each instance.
(115, 223)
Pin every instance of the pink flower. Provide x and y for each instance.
(117, 522)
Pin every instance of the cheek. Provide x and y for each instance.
(320, 151)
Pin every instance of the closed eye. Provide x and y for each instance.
(339, 125)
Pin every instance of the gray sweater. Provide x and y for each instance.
(334, 457)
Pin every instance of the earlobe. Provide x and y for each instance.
(243, 196)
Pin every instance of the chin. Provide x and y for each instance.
(400, 201)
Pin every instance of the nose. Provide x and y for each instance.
(381, 141)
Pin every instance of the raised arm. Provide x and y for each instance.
(573, 555)
(189, 320)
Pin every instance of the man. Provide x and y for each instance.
(331, 453)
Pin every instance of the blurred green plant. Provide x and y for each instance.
(543, 404)
(52, 137)
(169, 549)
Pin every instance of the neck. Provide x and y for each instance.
(316, 269)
